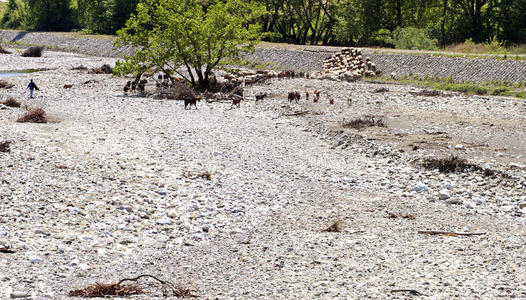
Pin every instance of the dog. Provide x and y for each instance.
(189, 102)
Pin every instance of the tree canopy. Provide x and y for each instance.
(333, 22)
(169, 34)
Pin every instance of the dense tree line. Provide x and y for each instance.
(350, 22)
(96, 16)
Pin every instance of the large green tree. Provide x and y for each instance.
(50, 14)
(169, 34)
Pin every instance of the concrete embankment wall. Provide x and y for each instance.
(461, 69)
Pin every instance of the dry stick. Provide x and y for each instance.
(437, 232)
(301, 113)
(6, 250)
(413, 292)
(175, 291)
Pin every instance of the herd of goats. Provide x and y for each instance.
(234, 92)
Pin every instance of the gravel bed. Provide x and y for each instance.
(100, 194)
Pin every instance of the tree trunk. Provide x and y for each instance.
(399, 13)
(443, 23)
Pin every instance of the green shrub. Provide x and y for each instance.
(501, 91)
(413, 38)
(462, 88)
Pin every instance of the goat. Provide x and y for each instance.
(307, 95)
(297, 96)
(316, 96)
(260, 97)
(292, 96)
(236, 101)
(331, 100)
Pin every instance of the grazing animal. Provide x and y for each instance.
(292, 96)
(297, 96)
(316, 96)
(190, 102)
(126, 89)
(68, 86)
(307, 95)
(260, 97)
(331, 100)
(236, 101)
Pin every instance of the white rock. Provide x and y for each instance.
(19, 294)
(420, 187)
(443, 195)
(163, 221)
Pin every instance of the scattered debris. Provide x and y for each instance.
(104, 69)
(3, 51)
(5, 85)
(197, 174)
(449, 233)
(456, 164)
(33, 52)
(391, 215)
(11, 102)
(429, 93)
(131, 286)
(365, 121)
(6, 249)
(412, 292)
(4, 146)
(35, 115)
(335, 227)
(295, 114)
(81, 67)
(381, 90)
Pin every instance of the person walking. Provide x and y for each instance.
(32, 86)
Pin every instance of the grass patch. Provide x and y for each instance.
(466, 88)
(11, 102)
(494, 87)
(35, 115)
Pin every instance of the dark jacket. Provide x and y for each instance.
(33, 86)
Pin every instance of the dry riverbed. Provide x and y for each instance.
(110, 190)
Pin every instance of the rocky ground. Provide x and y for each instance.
(109, 189)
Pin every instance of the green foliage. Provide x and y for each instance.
(15, 15)
(501, 91)
(463, 88)
(169, 34)
(50, 15)
(96, 15)
(413, 38)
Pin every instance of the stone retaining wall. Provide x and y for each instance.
(461, 69)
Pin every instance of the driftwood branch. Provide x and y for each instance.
(299, 113)
(450, 233)
(412, 292)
